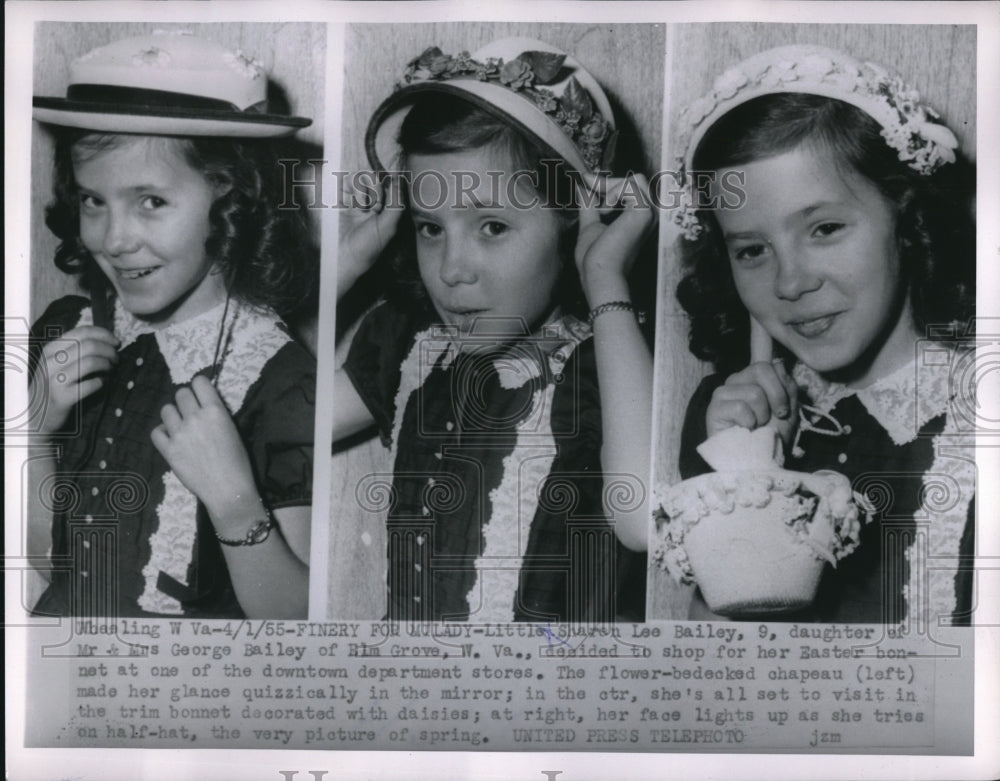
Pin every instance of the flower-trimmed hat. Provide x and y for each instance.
(168, 83)
(909, 126)
(541, 90)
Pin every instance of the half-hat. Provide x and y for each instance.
(167, 84)
(539, 89)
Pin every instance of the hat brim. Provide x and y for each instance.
(380, 139)
(153, 120)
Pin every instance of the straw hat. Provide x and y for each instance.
(167, 84)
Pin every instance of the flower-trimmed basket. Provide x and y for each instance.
(756, 542)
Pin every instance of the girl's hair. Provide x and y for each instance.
(935, 233)
(439, 124)
(264, 251)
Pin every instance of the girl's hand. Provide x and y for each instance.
(763, 394)
(70, 369)
(200, 442)
(365, 231)
(606, 252)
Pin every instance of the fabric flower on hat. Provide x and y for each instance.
(730, 82)
(241, 63)
(516, 74)
(153, 56)
(815, 67)
(940, 136)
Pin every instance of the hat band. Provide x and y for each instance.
(137, 96)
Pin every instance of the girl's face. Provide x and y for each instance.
(483, 259)
(144, 218)
(814, 257)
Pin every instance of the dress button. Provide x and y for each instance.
(138, 361)
(84, 574)
(130, 384)
(94, 491)
(109, 440)
(86, 544)
(425, 511)
(842, 458)
(449, 425)
(416, 599)
(88, 518)
(103, 464)
(847, 428)
(118, 412)
(418, 568)
(420, 539)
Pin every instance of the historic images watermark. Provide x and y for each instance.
(430, 190)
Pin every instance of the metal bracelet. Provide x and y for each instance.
(616, 306)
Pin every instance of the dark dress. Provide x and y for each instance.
(900, 444)
(495, 509)
(128, 539)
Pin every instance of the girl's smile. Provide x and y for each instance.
(489, 266)
(144, 218)
(814, 258)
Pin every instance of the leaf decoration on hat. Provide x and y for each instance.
(545, 65)
(576, 99)
(573, 111)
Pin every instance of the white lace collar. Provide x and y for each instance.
(902, 402)
(251, 336)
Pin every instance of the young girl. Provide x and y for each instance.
(518, 424)
(852, 248)
(181, 408)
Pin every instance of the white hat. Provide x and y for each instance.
(168, 83)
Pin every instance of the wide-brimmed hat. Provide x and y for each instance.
(539, 89)
(167, 84)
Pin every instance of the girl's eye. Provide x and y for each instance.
(90, 202)
(749, 254)
(428, 230)
(151, 202)
(826, 229)
(494, 228)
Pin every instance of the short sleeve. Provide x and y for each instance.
(277, 422)
(694, 431)
(382, 342)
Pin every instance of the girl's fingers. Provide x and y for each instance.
(92, 364)
(88, 387)
(205, 393)
(171, 418)
(160, 439)
(749, 398)
(761, 344)
(729, 413)
(766, 375)
(186, 402)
